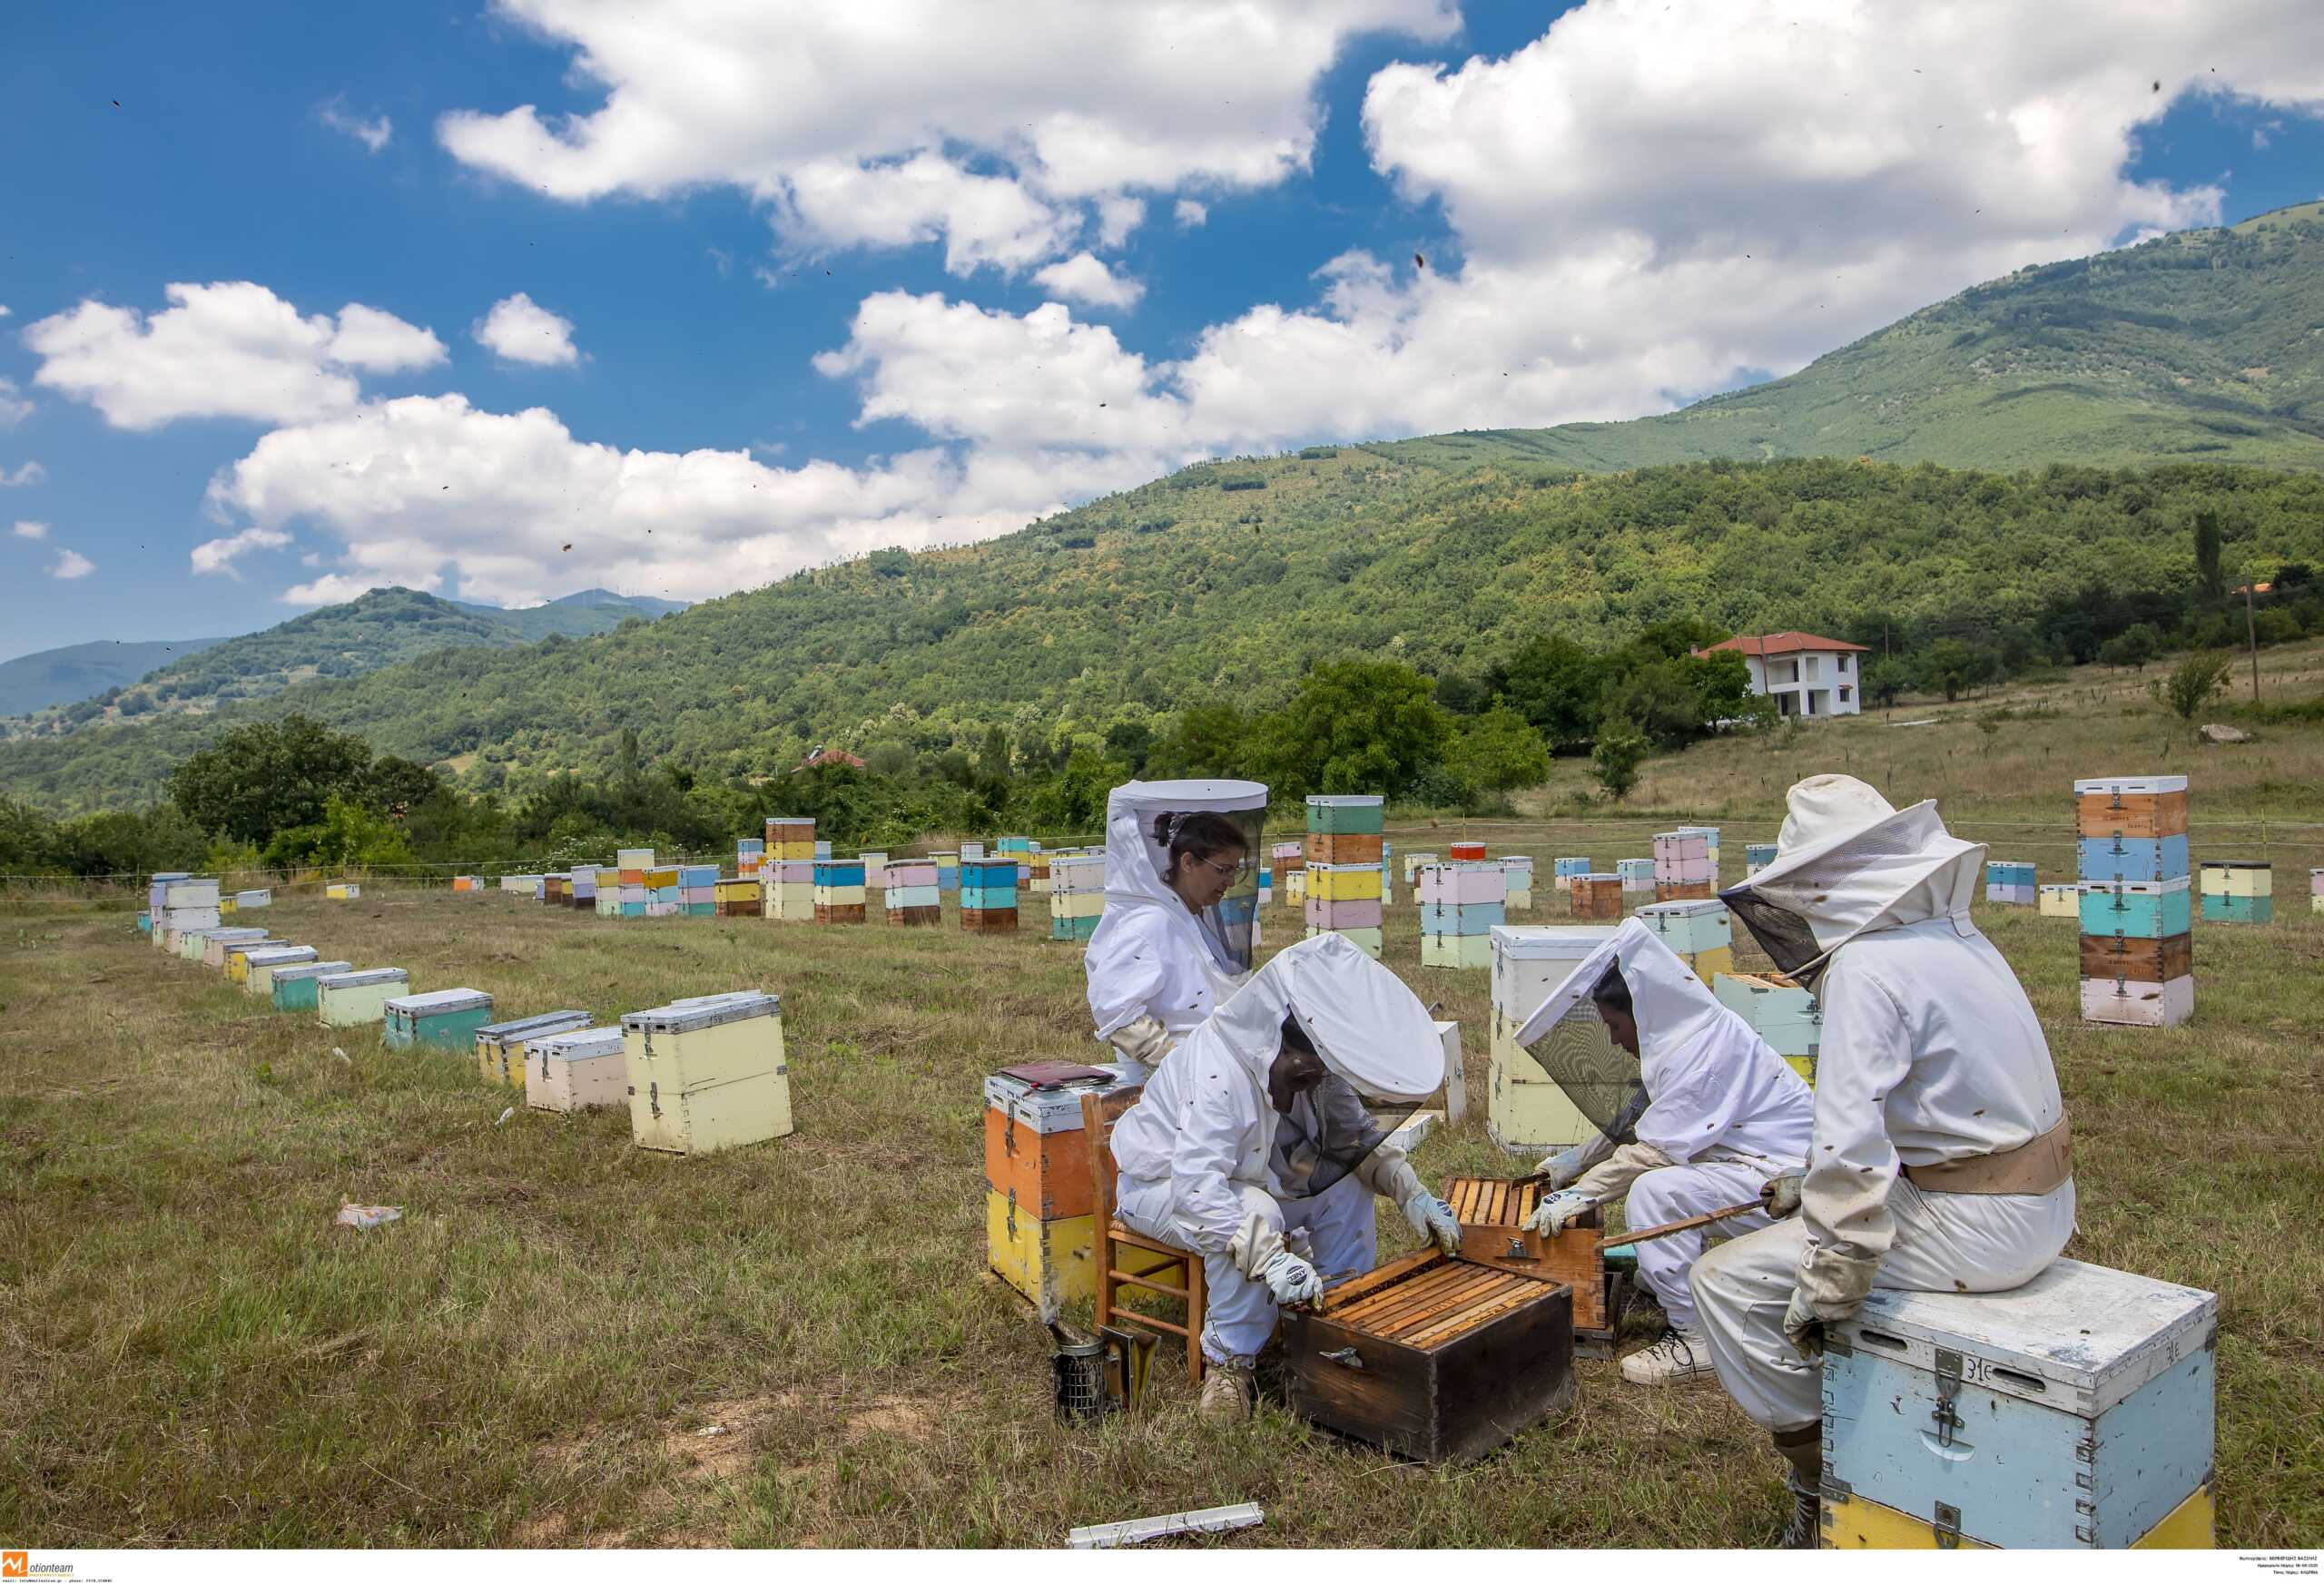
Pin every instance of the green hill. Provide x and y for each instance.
(381, 628)
(2176, 359)
(77, 671)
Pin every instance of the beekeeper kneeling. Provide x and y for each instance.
(1260, 1143)
(1941, 1161)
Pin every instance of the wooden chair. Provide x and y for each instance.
(1154, 1257)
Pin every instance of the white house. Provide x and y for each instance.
(1805, 674)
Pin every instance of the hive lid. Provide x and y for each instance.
(578, 1044)
(1552, 941)
(434, 1003)
(539, 1023)
(242, 948)
(1359, 801)
(235, 936)
(268, 956)
(368, 976)
(2126, 887)
(704, 1012)
(2132, 785)
(1691, 908)
(310, 970)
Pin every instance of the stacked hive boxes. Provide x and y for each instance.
(1341, 863)
(447, 1019)
(585, 886)
(989, 895)
(1266, 884)
(292, 987)
(1039, 1227)
(788, 876)
(2011, 884)
(214, 943)
(1757, 856)
(607, 901)
(518, 885)
(1709, 833)
(823, 849)
(947, 873)
(1076, 895)
(875, 866)
(1702, 933)
(503, 1049)
(349, 1001)
(347, 890)
(180, 903)
(2316, 890)
(1287, 859)
(579, 1070)
(911, 891)
(1518, 874)
(698, 890)
(1387, 875)
(1684, 870)
(2137, 948)
(1524, 1110)
(707, 1073)
(1596, 897)
(750, 851)
(553, 890)
(839, 891)
(1781, 1012)
(1019, 850)
(739, 899)
(1564, 870)
(662, 897)
(2061, 902)
(1461, 905)
(2238, 893)
(466, 883)
(631, 864)
(1637, 875)
(263, 899)
(238, 957)
(1035, 873)
(1412, 860)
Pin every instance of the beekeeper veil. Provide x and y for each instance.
(1156, 829)
(1848, 862)
(1379, 1051)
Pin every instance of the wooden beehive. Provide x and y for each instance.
(1493, 1213)
(1434, 1358)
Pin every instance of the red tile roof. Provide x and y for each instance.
(1768, 644)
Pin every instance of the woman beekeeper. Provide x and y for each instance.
(1942, 1159)
(1182, 910)
(1724, 1117)
(1267, 1131)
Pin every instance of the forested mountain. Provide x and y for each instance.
(78, 670)
(1225, 581)
(381, 628)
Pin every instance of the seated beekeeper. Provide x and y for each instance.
(1181, 913)
(1723, 1117)
(1266, 1134)
(1942, 1160)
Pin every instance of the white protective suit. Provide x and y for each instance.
(1199, 1155)
(1931, 1054)
(1724, 1114)
(1155, 970)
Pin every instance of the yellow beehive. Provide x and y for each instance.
(1338, 883)
(707, 1073)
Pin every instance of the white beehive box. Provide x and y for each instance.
(707, 1073)
(348, 1000)
(579, 1069)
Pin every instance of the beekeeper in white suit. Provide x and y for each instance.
(1942, 1160)
(1724, 1117)
(1181, 920)
(1255, 1140)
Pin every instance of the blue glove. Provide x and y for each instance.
(1560, 1210)
(1433, 1218)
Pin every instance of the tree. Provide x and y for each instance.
(1951, 667)
(270, 776)
(2133, 646)
(1202, 740)
(1498, 751)
(1354, 726)
(1614, 761)
(1885, 677)
(1556, 685)
(2191, 682)
(2209, 581)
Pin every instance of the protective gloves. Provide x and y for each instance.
(1565, 1168)
(1804, 1325)
(1782, 1196)
(1433, 1218)
(1559, 1210)
(1290, 1280)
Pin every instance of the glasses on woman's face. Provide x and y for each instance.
(1230, 872)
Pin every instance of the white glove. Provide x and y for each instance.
(1559, 1211)
(1782, 1196)
(1433, 1218)
(1565, 1168)
(1804, 1325)
(1292, 1281)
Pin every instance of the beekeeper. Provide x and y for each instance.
(1181, 917)
(1723, 1118)
(1942, 1160)
(1260, 1143)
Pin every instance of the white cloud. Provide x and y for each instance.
(219, 555)
(30, 473)
(1189, 213)
(230, 349)
(523, 331)
(1118, 216)
(373, 134)
(71, 565)
(809, 109)
(1084, 277)
(24, 530)
(3, 310)
(13, 408)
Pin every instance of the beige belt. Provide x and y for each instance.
(2039, 1164)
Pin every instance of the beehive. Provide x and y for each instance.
(2061, 902)
(577, 1069)
(2238, 892)
(1295, 887)
(1524, 1110)
(750, 851)
(2137, 909)
(875, 870)
(502, 1050)
(259, 962)
(246, 900)
(662, 892)
(583, 892)
(346, 891)
(2152, 807)
(2075, 1411)
(698, 890)
(787, 874)
(1780, 1010)
(465, 883)
(608, 898)
(2131, 843)
(1346, 816)
(947, 873)
(1597, 898)
(349, 1001)
(840, 891)
(2010, 884)
(1493, 1213)
(1518, 874)
(1287, 859)
(2316, 890)
(1077, 896)
(215, 941)
(1034, 873)
(1344, 899)
(989, 895)
(1433, 1359)
(1565, 870)
(292, 987)
(447, 1019)
(553, 888)
(739, 899)
(238, 957)
(707, 1073)
(1757, 856)
(1637, 875)
(1461, 904)
(1702, 934)
(912, 896)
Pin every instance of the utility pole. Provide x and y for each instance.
(2251, 631)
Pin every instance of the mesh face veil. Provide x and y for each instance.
(1229, 927)
(1330, 1129)
(1801, 915)
(1575, 1050)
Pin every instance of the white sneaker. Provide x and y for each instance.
(1678, 1357)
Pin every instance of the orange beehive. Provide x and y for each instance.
(1327, 847)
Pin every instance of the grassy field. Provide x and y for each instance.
(568, 1342)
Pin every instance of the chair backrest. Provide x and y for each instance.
(1098, 1115)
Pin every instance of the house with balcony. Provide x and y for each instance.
(1807, 676)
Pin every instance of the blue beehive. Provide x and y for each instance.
(2075, 1411)
(2132, 858)
(1461, 918)
(987, 883)
(2138, 909)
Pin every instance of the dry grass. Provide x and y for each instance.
(539, 1353)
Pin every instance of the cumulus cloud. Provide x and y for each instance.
(71, 565)
(924, 114)
(30, 473)
(1084, 277)
(219, 555)
(230, 349)
(1118, 216)
(523, 331)
(1189, 213)
(24, 530)
(13, 408)
(373, 134)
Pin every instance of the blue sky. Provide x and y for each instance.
(801, 270)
